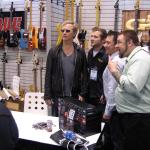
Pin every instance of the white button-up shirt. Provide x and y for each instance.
(110, 84)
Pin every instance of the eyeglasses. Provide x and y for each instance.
(65, 30)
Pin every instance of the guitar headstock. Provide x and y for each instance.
(4, 57)
(137, 4)
(42, 7)
(98, 4)
(77, 2)
(12, 9)
(116, 4)
(26, 5)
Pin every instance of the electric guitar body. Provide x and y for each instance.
(33, 33)
(31, 44)
(42, 39)
(23, 39)
(41, 30)
(23, 32)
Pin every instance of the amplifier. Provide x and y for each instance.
(78, 116)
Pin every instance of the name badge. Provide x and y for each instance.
(93, 74)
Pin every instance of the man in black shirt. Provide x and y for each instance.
(97, 61)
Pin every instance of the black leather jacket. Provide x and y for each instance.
(54, 81)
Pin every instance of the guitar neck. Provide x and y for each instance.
(137, 13)
(18, 70)
(80, 15)
(116, 6)
(72, 10)
(4, 69)
(67, 10)
(98, 13)
(136, 23)
(77, 14)
(11, 17)
(30, 26)
(35, 80)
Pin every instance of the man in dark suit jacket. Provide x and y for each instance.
(8, 129)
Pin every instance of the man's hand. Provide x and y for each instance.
(113, 68)
(81, 98)
(106, 117)
(49, 102)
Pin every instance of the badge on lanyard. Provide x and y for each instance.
(93, 74)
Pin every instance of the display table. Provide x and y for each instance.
(25, 122)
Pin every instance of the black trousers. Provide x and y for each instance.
(136, 131)
(55, 107)
(116, 131)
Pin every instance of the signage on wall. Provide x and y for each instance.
(17, 21)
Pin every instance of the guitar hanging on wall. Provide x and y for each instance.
(32, 41)
(35, 61)
(137, 14)
(19, 62)
(41, 31)
(12, 39)
(81, 34)
(23, 32)
(4, 61)
(116, 6)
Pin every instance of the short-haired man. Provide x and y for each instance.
(112, 137)
(66, 69)
(133, 92)
(97, 62)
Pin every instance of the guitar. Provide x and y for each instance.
(81, 34)
(32, 40)
(19, 62)
(12, 39)
(98, 13)
(2, 33)
(23, 32)
(137, 13)
(116, 6)
(41, 31)
(4, 61)
(35, 61)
